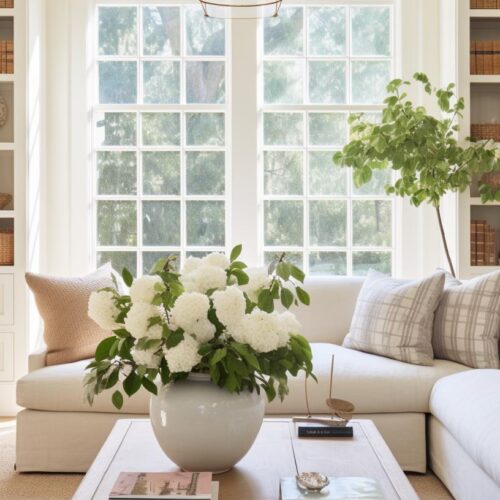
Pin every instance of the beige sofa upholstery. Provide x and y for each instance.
(57, 431)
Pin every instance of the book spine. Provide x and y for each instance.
(488, 57)
(496, 57)
(473, 69)
(10, 57)
(473, 4)
(4, 56)
(473, 240)
(479, 57)
(479, 4)
(491, 4)
(481, 226)
(493, 247)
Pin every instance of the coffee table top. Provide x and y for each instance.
(277, 452)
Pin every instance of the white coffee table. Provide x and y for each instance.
(277, 452)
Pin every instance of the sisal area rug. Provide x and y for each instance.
(33, 486)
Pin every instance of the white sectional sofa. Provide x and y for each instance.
(58, 431)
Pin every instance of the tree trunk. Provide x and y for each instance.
(445, 244)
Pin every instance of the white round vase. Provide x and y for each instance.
(202, 427)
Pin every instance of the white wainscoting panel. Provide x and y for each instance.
(6, 356)
(6, 299)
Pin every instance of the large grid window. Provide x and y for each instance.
(319, 64)
(159, 134)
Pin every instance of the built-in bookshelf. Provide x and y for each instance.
(479, 84)
(13, 160)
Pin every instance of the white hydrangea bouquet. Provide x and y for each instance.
(216, 317)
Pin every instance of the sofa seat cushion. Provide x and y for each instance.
(468, 405)
(373, 383)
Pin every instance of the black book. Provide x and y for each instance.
(325, 431)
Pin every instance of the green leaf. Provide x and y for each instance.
(241, 276)
(149, 386)
(283, 270)
(265, 301)
(117, 399)
(286, 297)
(244, 352)
(158, 266)
(132, 384)
(113, 378)
(303, 296)
(127, 277)
(297, 273)
(235, 252)
(104, 347)
(174, 338)
(218, 356)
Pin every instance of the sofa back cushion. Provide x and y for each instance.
(69, 334)
(467, 323)
(394, 318)
(328, 317)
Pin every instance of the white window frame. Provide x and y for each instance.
(244, 201)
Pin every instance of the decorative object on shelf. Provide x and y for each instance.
(241, 9)
(484, 4)
(483, 244)
(312, 481)
(485, 57)
(485, 131)
(421, 148)
(4, 111)
(6, 56)
(341, 409)
(6, 247)
(212, 335)
(6, 4)
(5, 199)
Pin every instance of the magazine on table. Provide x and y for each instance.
(165, 486)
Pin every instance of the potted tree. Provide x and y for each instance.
(421, 148)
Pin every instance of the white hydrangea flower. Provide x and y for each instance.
(144, 289)
(259, 330)
(103, 309)
(216, 259)
(289, 323)
(203, 330)
(184, 356)
(137, 320)
(190, 265)
(204, 278)
(189, 308)
(258, 279)
(147, 358)
(229, 305)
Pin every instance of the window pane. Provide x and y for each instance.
(376, 185)
(149, 259)
(204, 35)
(283, 172)
(327, 223)
(205, 223)
(119, 260)
(370, 31)
(161, 82)
(161, 129)
(205, 129)
(296, 258)
(283, 34)
(116, 223)
(117, 82)
(161, 223)
(116, 129)
(362, 262)
(327, 82)
(283, 82)
(205, 172)
(161, 172)
(334, 263)
(283, 223)
(369, 79)
(283, 129)
(327, 129)
(324, 176)
(117, 31)
(205, 81)
(371, 222)
(116, 172)
(327, 31)
(161, 28)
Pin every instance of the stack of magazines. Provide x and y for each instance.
(165, 485)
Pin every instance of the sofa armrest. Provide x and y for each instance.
(36, 360)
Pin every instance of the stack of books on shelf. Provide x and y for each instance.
(485, 4)
(483, 240)
(6, 56)
(6, 4)
(485, 57)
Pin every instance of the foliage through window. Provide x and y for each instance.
(319, 64)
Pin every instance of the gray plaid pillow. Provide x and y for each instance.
(394, 318)
(467, 322)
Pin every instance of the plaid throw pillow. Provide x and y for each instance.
(467, 322)
(394, 318)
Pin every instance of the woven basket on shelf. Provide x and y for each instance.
(485, 131)
(491, 179)
(6, 247)
(5, 199)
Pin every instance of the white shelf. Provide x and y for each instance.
(475, 13)
(6, 12)
(6, 214)
(477, 202)
(6, 146)
(7, 269)
(6, 77)
(484, 78)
